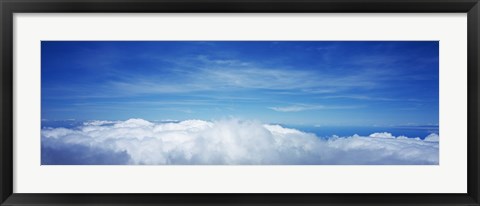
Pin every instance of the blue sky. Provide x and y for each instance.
(289, 82)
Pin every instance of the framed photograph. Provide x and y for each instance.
(268, 102)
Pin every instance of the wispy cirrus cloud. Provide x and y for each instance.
(227, 74)
(303, 107)
(296, 108)
(204, 73)
(159, 78)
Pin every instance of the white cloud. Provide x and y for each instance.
(235, 142)
(98, 122)
(134, 123)
(432, 138)
(382, 135)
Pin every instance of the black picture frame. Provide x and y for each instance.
(9, 7)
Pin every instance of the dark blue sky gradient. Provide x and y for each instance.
(290, 82)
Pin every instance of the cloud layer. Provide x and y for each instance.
(225, 142)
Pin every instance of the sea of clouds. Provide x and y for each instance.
(225, 142)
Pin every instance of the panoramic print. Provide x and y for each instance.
(239, 103)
